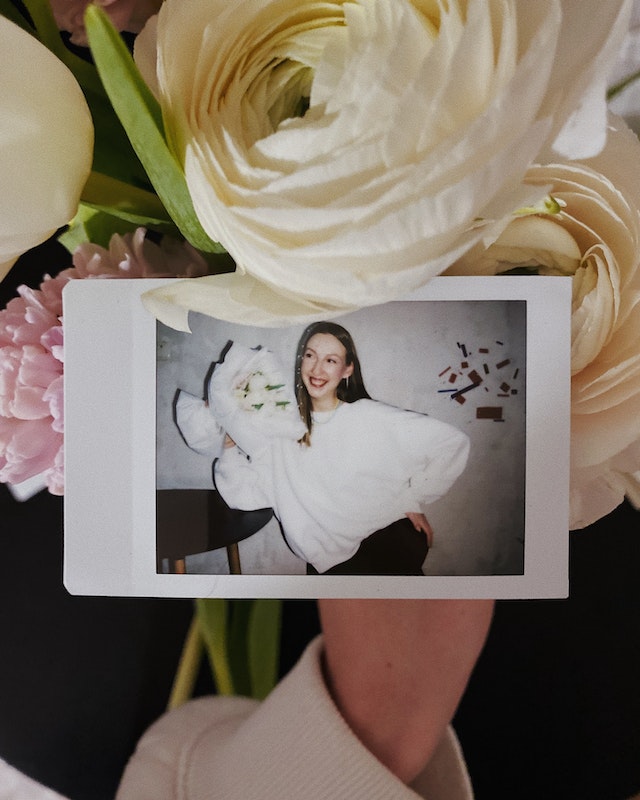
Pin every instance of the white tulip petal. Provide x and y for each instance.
(46, 142)
(231, 297)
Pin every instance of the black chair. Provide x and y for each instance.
(190, 521)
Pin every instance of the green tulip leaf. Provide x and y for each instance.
(264, 646)
(212, 619)
(141, 117)
(238, 645)
(127, 202)
(92, 225)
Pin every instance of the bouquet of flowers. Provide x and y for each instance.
(291, 160)
(251, 400)
(258, 392)
(247, 398)
(304, 159)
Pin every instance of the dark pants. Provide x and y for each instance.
(398, 549)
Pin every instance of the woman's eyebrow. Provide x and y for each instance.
(326, 355)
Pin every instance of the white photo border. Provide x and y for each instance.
(110, 445)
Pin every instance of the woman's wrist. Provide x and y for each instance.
(397, 669)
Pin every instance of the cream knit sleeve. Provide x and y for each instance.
(432, 453)
(244, 482)
(293, 745)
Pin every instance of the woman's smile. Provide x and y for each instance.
(323, 368)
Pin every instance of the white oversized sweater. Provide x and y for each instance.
(367, 466)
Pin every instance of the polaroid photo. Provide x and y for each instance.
(415, 449)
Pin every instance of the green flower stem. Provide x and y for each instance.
(103, 190)
(188, 666)
(263, 646)
(213, 622)
(619, 87)
(242, 642)
(47, 32)
(239, 622)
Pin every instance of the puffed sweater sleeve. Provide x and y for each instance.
(435, 454)
(294, 744)
(243, 482)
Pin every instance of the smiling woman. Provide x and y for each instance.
(323, 367)
(350, 493)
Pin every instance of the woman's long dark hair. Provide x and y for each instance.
(349, 389)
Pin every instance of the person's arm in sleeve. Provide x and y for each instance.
(243, 482)
(364, 714)
(436, 454)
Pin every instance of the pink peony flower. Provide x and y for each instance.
(135, 256)
(32, 350)
(31, 371)
(126, 15)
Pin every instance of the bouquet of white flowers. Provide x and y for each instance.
(257, 392)
(251, 400)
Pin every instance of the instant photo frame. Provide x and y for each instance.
(490, 355)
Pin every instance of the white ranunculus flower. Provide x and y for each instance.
(422, 119)
(46, 143)
(595, 238)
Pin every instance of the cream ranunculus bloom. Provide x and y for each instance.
(422, 119)
(596, 239)
(46, 143)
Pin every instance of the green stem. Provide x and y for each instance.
(615, 90)
(188, 666)
(213, 622)
(123, 199)
(263, 646)
(48, 33)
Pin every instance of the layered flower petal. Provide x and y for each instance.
(32, 350)
(596, 239)
(346, 152)
(46, 143)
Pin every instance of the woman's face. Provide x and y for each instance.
(323, 366)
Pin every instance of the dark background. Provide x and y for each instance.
(552, 710)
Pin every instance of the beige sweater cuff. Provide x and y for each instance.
(293, 745)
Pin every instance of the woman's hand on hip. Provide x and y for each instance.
(421, 523)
